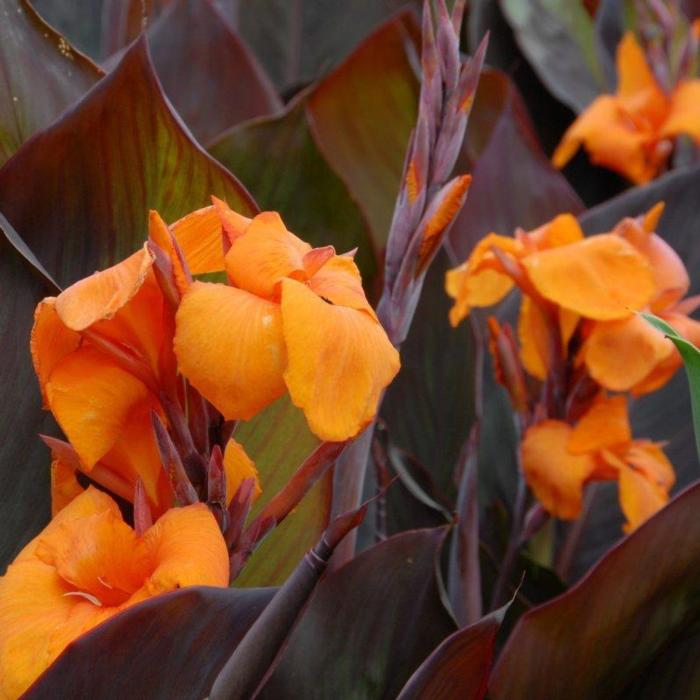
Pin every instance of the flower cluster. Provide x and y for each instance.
(146, 370)
(580, 335)
(632, 131)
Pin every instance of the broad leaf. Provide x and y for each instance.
(460, 666)
(615, 624)
(278, 160)
(24, 461)
(79, 192)
(278, 440)
(206, 70)
(558, 38)
(168, 647)
(41, 73)
(79, 22)
(366, 145)
(369, 625)
(299, 41)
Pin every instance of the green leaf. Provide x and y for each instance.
(42, 75)
(369, 624)
(278, 160)
(691, 358)
(209, 74)
(79, 193)
(596, 640)
(362, 115)
(558, 38)
(278, 441)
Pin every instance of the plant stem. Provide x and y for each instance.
(568, 549)
(513, 546)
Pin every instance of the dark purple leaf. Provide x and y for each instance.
(369, 624)
(79, 192)
(207, 71)
(169, 647)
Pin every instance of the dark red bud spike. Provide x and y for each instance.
(142, 511)
(172, 464)
(237, 512)
(216, 477)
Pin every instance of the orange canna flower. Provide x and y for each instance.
(103, 354)
(590, 285)
(559, 460)
(87, 566)
(292, 319)
(632, 131)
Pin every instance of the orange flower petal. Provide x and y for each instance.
(267, 253)
(92, 398)
(339, 282)
(613, 140)
(51, 593)
(602, 277)
(648, 458)
(555, 475)
(533, 334)
(639, 497)
(561, 230)
(604, 426)
(619, 354)
(50, 341)
(669, 273)
(101, 295)
(330, 348)
(238, 467)
(233, 223)
(199, 236)
(229, 345)
(637, 87)
(684, 117)
(64, 485)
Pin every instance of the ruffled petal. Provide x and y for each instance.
(101, 295)
(684, 117)
(637, 87)
(199, 236)
(238, 467)
(92, 399)
(160, 234)
(64, 485)
(264, 255)
(561, 230)
(669, 273)
(620, 354)
(533, 334)
(51, 340)
(613, 139)
(229, 345)
(602, 277)
(339, 362)
(339, 282)
(604, 426)
(555, 475)
(639, 497)
(189, 550)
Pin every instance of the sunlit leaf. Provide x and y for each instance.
(277, 159)
(278, 440)
(79, 193)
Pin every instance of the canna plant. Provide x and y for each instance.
(390, 454)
